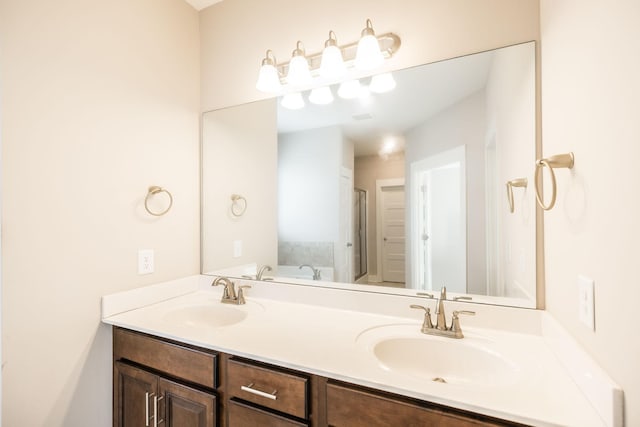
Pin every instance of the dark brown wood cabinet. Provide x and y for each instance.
(355, 407)
(142, 398)
(187, 386)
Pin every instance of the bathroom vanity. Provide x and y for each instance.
(308, 356)
(158, 380)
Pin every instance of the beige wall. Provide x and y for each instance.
(239, 159)
(590, 93)
(236, 34)
(99, 101)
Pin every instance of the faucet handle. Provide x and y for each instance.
(241, 289)
(424, 294)
(455, 322)
(426, 324)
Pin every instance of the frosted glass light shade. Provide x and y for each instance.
(382, 83)
(332, 65)
(368, 55)
(292, 101)
(299, 74)
(321, 96)
(350, 89)
(268, 79)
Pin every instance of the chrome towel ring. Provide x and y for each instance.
(153, 190)
(238, 205)
(520, 182)
(553, 162)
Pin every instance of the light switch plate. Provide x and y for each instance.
(145, 261)
(586, 304)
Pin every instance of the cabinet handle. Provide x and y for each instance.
(146, 409)
(249, 389)
(156, 421)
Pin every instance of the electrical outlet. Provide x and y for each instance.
(145, 261)
(237, 248)
(586, 303)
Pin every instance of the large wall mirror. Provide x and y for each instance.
(396, 192)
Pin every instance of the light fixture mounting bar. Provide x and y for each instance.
(389, 45)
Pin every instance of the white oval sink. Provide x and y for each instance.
(477, 362)
(206, 315)
(450, 362)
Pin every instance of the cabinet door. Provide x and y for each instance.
(186, 407)
(132, 399)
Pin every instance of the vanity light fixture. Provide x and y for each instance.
(292, 101)
(368, 55)
(321, 96)
(382, 83)
(268, 78)
(299, 74)
(332, 65)
(350, 89)
(304, 72)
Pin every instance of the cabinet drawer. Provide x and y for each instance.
(275, 389)
(242, 415)
(351, 407)
(195, 366)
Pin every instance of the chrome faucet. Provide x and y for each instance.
(261, 272)
(441, 329)
(316, 271)
(441, 320)
(229, 295)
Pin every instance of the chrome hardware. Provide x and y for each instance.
(316, 271)
(424, 294)
(441, 329)
(156, 399)
(249, 389)
(426, 324)
(261, 272)
(455, 322)
(156, 421)
(146, 409)
(441, 320)
(229, 295)
(241, 289)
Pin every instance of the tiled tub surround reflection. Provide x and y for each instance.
(318, 254)
(559, 385)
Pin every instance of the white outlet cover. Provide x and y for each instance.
(145, 261)
(586, 303)
(237, 248)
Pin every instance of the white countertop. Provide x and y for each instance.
(328, 333)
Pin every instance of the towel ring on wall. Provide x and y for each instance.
(519, 182)
(153, 190)
(557, 161)
(238, 205)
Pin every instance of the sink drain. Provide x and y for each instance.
(439, 380)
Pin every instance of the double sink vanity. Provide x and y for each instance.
(295, 355)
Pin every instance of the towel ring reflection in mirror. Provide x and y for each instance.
(153, 190)
(238, 205)
(553, 162)
(520, 182)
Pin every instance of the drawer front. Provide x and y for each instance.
(243, 415)
(282, 391)
(191, 365)
(347, 407)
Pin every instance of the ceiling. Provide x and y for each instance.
(421, 92)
